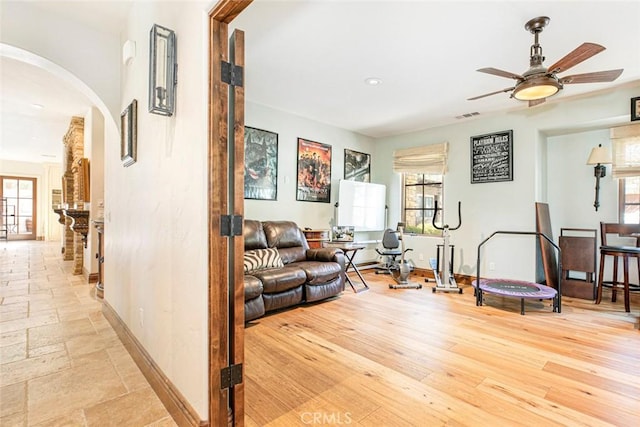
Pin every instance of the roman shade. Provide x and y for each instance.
(625, 141)
(425, 159)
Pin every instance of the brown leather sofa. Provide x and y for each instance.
(305, 275)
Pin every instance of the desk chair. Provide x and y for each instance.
(390, 250)
(624, 252)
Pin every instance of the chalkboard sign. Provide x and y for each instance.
(492, 157)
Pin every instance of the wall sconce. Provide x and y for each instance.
(600, 156)
(162, 71)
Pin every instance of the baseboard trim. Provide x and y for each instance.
(183, 414)
(91, 277)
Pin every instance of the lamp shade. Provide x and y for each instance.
(600, 155)
(536, 88)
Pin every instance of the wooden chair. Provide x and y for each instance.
(624, 252)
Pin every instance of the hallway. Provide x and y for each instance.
(61, 363)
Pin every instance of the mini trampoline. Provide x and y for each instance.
(517, 288)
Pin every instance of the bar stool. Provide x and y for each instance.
(624, 252)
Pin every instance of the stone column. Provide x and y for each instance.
(74, 190)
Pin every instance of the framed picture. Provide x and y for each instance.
(260, 164)
(492, 157)
(314, 172)
(635, 108)
(357, 166)
(128, 134)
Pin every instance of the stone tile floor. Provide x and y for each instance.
(61, 363)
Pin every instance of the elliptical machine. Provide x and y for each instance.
(400, 271)
(445, 280)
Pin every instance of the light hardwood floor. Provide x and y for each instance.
(378, 358)
(61, 363)
(414, 358)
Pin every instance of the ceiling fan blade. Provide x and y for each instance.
(492, 93)
(579, 54)
(596, 77)
(501, 73)
(537, 102)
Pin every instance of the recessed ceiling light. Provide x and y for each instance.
(37, 106)
(373, 81)
(48, 155)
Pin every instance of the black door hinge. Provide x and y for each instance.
(231, 74)
(230, 376)
(230, 225)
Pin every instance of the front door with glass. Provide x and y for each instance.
(19, 207)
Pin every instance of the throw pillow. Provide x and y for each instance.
(259, 259)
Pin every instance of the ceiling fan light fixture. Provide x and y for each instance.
(537, 88)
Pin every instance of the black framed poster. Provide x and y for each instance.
(314, 171)
(492, 157)
(260, 164)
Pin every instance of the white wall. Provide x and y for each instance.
(156, 209)
(289, 127)
(568, 187)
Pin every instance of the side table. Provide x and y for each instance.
(350, 250)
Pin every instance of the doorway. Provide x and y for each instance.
(18, 212)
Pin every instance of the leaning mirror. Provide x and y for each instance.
(162, 71)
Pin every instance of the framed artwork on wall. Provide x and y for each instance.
(492, 157)
(260, 164)
(357, 166)
(128, 134)
(635, 108)
(314, 172)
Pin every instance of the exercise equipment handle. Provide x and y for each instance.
(435, 212)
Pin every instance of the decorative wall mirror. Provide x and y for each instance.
(162, 71)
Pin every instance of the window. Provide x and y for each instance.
(629, 200)
(422, 170)
(625, 141)
(420, 192)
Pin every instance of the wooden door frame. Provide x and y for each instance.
(225, 193)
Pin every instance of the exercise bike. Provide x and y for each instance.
(400, 271)
(445, 280)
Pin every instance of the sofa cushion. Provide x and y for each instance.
(252, 287)
(293, 254)
(254, 237)
(280, 279)
(259, 259)
(283, 299)
(284, 234)
(320, 272)
(322, 291)
(254, 308)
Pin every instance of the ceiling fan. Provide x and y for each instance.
(538, 82)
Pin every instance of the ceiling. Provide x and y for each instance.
(311, 58)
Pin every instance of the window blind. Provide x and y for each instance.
(625, 142)
(425, 159)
